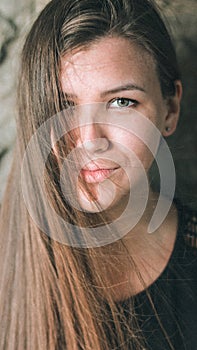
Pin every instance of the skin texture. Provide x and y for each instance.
(113, 63)
(97, 75)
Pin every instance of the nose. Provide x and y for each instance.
(92, 135)
(93, 139)
(96, 146)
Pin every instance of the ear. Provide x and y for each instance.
(173, 108)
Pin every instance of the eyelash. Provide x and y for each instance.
(68, 104)
(134, 103)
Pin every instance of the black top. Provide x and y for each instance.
(174, 295)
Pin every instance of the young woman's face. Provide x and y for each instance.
(116, 77)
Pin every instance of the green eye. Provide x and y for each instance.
(122, 102)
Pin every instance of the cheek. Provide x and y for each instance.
(157, 112)
(145, 156)
(135, 150)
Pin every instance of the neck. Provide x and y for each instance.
(131, 264)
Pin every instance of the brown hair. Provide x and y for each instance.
(49, 294)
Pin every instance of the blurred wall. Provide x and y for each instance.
(16, 18)
(15, 21)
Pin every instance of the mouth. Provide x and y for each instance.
(97, 175)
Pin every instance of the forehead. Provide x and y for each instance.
(105, 62)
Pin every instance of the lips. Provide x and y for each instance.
(97, 175)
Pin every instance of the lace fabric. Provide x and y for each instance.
(190, 228)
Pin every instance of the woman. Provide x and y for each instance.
(102, 78)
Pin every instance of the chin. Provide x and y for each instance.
(106, 196)
(101, 197)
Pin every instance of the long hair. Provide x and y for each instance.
(49, 291)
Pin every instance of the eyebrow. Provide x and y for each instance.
(120, 88)
(127, 87)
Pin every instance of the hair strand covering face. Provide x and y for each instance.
(49, 294)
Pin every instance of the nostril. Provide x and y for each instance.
(96, 145)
